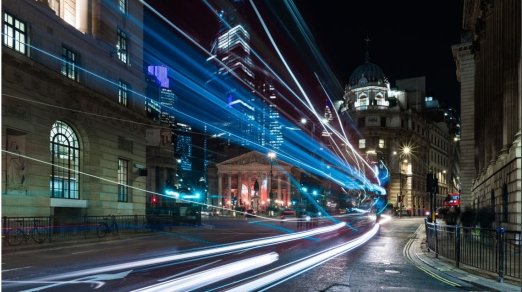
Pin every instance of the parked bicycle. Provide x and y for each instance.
(106, 227)
(38, 233)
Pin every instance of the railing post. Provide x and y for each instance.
(86, 226)
(500, 242)
(427, 233)
(457, 245)
(50, 227)
(436, 240)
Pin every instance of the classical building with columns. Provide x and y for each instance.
(489, 68)
(234, 181)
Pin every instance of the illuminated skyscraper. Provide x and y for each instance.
(184, 147)
(232, 48)
(167, 98)
(274, 136)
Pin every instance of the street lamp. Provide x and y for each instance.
(404, 154)
(271, 155)
(305, 121)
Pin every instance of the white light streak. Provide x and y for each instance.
(206, 252)
(210, 276)
(296, 268)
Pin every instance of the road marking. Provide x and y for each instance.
(16, 269)
(187, 271)
(78, 252)
(392, 271)
(406, 254)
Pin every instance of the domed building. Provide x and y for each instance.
(367, 86)
(388, 127)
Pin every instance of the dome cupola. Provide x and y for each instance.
(367, 74)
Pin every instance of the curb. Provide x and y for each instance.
(449, 271)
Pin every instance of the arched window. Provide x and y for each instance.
(65, 158)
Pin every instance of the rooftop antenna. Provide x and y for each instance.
(367, 54)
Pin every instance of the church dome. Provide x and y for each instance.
(367, 73)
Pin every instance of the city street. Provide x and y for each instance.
(134, 263)
(235, 145)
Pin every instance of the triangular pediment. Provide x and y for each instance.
(249, 158)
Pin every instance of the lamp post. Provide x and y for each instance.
(405, 152)
(271, 155)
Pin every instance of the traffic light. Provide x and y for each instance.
(153, 200)
(429, 182)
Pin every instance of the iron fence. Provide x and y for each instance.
(41, 230)
(493, 250)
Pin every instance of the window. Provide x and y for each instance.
(122, 4)
(123, 180)
(15, 34)
(505, 203)
(123, 93)
(65, 161)
(381, 143)
(69, 64)
(121, 46)
(362, 143)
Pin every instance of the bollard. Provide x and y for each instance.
(500, 236)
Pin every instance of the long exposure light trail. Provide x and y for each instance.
(203, 253)
(204, 278)
(192, 76)
(294, 269)
(279, 53)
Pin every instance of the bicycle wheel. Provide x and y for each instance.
(102, 229)
(39, 234)
(15, 236)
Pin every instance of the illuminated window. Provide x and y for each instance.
(121, 46)
(122, 4)
(123, 180)
(69, 64)
(381, 143)
(123, 93)
(15, 34)
(65, 161)
(362, 143)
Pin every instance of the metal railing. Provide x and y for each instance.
(493, 250)
(56, 229)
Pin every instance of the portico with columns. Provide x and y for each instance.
(236, 181)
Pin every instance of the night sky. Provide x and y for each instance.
(408, 38)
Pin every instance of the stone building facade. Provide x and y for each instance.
(234, 180)
(390, 126)
(73, 119)
(490, 71)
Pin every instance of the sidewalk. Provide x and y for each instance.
(419, 254)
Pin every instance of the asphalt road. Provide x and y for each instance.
(157, 259)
